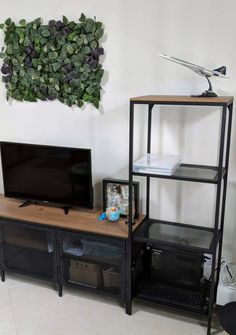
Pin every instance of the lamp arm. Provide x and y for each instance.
(210, 85)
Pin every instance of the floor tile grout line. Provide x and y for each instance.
(12, 309)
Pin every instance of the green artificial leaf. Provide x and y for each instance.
(56, 66)
(37, 22)
(90, 37)
(67, 61)
(84, 76)
(15, 46)
(22, 73)
(8, 22)
(2, 54)
(70, 49)
(68, 89)
(2, 25)
(99, 24)
(37, 38)
(85, 41)
(37, 49)
(80, 103)
(96, 103)
(64, 19)
(27, 41)
(94, 44)
(39, 68)
(61, 40)
(14, 79)
(86, 97)
(22, 23)
(45, 32)
(90, 90)
(71, 25)
(43, 41)
(14, 61)
(30, 98)
(24, 82)
(87, 68)
(9, 49)
(86, 50)
(35, 62)
(82, 18)
(68, 103)
(57, 87)
(99, 33)
(70, 37)
(34, 75)
(52, 55)
(72, 99)
(79, 41)
(52, 91)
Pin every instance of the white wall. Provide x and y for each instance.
(202, 32)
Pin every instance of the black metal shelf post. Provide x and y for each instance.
(217, 175)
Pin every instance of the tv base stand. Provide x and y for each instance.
(27, 203)
(30, 202)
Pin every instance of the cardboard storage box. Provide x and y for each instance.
(85, 273)
(111, 278)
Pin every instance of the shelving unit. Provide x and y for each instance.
(181, 239)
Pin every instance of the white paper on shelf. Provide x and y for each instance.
(165, 164)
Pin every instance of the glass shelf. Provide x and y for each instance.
(190, 172)
(181, 236)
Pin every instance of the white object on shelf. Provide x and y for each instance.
(164, 164)
(225, 295)
(226, 291)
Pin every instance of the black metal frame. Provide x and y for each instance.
(107, 181)
(221, 177)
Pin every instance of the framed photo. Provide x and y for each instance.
(116, 193)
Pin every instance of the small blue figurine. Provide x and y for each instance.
(102, 216)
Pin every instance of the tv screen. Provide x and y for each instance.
(47, 173)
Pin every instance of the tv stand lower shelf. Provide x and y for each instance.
(69, 250)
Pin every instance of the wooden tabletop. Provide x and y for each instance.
(79, 220)
(182, 99)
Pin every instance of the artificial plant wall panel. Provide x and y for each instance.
(59, 60)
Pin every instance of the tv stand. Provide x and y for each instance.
(75, 250)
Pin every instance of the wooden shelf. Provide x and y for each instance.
(186, 100)
(78, 220)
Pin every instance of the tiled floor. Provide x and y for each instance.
(31, 307)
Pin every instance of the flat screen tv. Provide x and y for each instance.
(57, 175)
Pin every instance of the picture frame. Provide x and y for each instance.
(116, 193)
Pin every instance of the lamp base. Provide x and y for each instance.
(205, 94)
